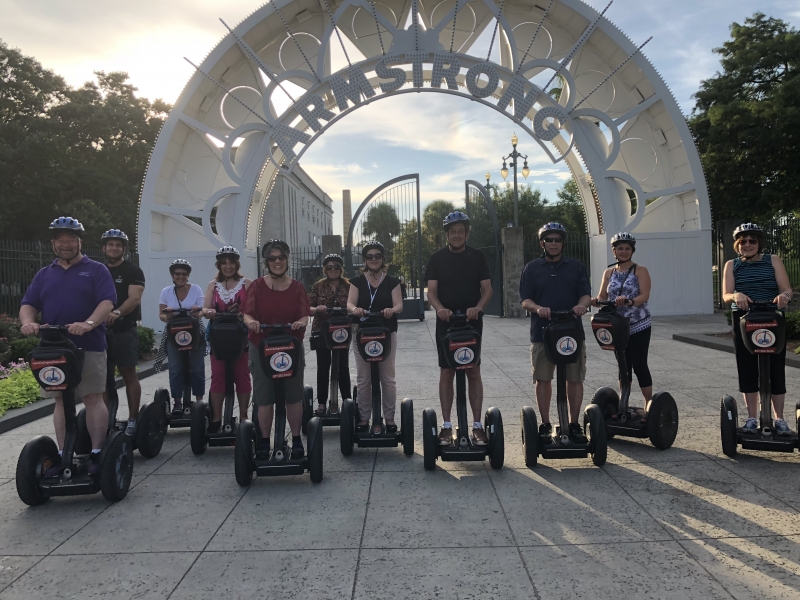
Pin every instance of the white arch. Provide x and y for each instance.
(199, 163)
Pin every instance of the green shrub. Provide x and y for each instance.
(147, 339)
(9, 327)
(20, 348)
(728, 316)
(792, 325)
(18, 390)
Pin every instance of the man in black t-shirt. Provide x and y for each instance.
(123, 352)
(458, 280)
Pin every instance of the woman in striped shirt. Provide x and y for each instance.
(756, 277)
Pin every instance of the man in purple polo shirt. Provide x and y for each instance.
(76, 292)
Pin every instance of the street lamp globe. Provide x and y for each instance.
(504, 171)
(514, 140)
(525, 170)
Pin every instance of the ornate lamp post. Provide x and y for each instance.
(514, 158)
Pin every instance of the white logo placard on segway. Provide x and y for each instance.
(566, 346)
(183, 338)
(52, 376)
(763, 338)
(340, 335)
(464, 356)
(604, 336)
(374, 349)
(280, 362)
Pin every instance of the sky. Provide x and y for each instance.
(445, 139)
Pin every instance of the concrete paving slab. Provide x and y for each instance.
(118, 576)
(232, 575)
(13, 567)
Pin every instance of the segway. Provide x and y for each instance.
(279, 352)
(227, 336)
(151, 422)
(56, 363)
(463, 351)
(183, 332)
(763, 329)
(335, 334)
(563, 343)
(374, 342)
(660, 421)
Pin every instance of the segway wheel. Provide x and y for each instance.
(530, 435)
(596, 432)
(347, 427)
(36, 457)
(151, 429)
(83, 441)
(308, 408)
(116, 470)
(607, 399)
(407, 425)
(493, 425)
(355, 394)
(662, 421)
(315, 449)
(244, 452)
(429, 440)
(199, 427)
(728, 420)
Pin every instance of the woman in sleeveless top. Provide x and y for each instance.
(756, 277)
(628, 286)
(227, 292)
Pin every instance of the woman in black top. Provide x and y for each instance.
(375, 291)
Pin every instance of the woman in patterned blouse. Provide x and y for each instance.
(330, 291)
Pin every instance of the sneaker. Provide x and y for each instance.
(263, 450)
(214, 427)
(94, 463)
(576, 433)
(297, 450)
(53, 470)
(782, 428)
(750, 426)
(446, 436)
(546, 431)
(178, 408)
(479, 436)
(130, 429)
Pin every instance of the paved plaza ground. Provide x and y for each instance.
(683, 523)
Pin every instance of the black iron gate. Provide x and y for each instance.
(391, 215)
(485, 235)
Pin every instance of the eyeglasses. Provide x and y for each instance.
(553, 240)
(276, 258)
(333, 268)
(374, 256)
(180, 274)
(746, 241)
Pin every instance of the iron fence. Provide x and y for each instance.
(19, 263)
(573, 248)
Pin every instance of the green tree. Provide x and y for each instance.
(531, 206)
(382, 224)
(569, 209)
(746, 120)
(432, 231)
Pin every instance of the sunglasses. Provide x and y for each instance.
(333, 268)
(746, 241)
(276, 258)
(374, 256)
(553, 240)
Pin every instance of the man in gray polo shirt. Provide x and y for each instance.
(554, 282)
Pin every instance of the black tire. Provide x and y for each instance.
(607, 399)
(662, 421)
(198, 427)
(36, 457)
(728, 422)
(308, 408)
(429, 439)
(530, 436)
(151, 429)
(407, 425)
(315, 449)
(244, 452)
(161, 398)
(596, 433)
(493, 424)
(116, 470)
(347, 427)
(355, 395)
(83, 441)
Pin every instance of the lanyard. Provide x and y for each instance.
(375, 293)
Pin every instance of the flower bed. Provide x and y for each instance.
(18, 387)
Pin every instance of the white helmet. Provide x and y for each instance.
(623, 236)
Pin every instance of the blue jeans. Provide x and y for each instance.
(197, 367)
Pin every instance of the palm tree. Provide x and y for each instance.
(382, 224)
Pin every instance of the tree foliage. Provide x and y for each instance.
(65, 149)
(746, 121)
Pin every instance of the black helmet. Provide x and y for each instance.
(370, 245)
(228, 251)
(747, 228)
(180, 262)
(67, 224)
(332, 258)
(548, 227)
(455, 217)
(623, 237)
(270, 245)
(114, 234)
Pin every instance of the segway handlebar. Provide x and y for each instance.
(46, 328)
(181, 311)
(278, 326)
(562, 313)
(763, 304)
(610, 303)
(458, 318)
(371, 315)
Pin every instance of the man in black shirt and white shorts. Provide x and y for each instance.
(458, 280)
(124, 353)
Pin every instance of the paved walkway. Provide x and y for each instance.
(682, 523)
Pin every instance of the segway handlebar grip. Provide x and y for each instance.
(561, 313)
(460, 318)
(278, 326)
(46, 328)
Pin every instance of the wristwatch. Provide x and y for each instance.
(116, 312)
(90, 324)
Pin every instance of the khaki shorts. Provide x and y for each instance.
(93, 376)
(264, 388)
(543, 369)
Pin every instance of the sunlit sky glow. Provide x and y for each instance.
(445, 139)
